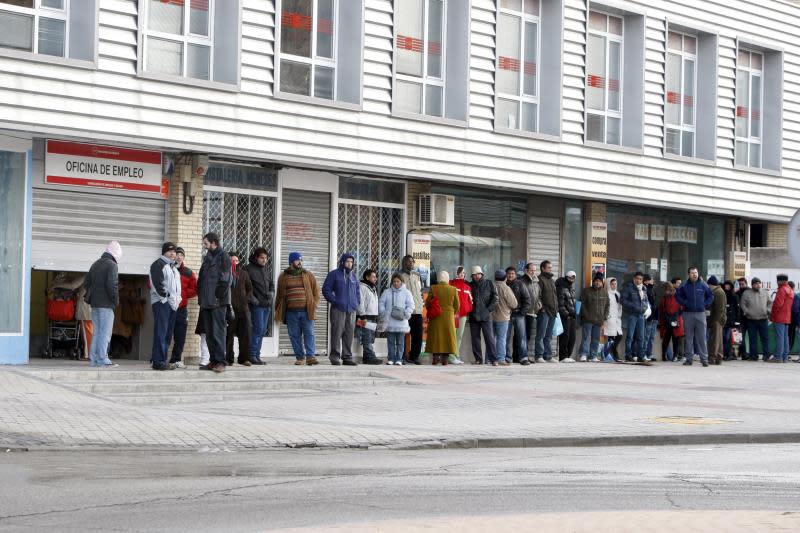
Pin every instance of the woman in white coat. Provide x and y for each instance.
(612, 328)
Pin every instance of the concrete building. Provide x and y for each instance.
(613, 135)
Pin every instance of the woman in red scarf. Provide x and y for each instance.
(464, 309)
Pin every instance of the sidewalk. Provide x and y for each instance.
(407, 407)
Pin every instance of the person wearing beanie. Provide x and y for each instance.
(214, 296)
(188, 291)
(695, 297)
(595, 310)
(165, 297)
(341, 289)
(567, 309)
(517, 334)
(102, 294)
(442, 328)
(484, 301)
(716, 322)
(546, 317)
(781, 316)
(754, 304)
(464, 309)
(501, 316)
(296, 301)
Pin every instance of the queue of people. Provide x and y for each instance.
(513, 316)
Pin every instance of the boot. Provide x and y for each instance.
(435, 360)
(445, 359)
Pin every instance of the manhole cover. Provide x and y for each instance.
(693, 420)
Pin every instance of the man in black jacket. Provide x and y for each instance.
(102, 294)
(546, 318)
(263, 291)
(565, 288)
(516, 330)
(484, 300)
(214, 297)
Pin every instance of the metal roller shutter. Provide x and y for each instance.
(71, 229)
(544, 241)
(305, 228)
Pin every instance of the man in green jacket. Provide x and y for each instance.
(595, 307)
(716, 321)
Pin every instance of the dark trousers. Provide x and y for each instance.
(669, 335)
(475, 329)
(213, 321)
(566, 341)
(530, 334)
(415, 324)
(756, 329)
(241, 327)
(727, 343)
(163, 324)
(179, 334)
(792, 336)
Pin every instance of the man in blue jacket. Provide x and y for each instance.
(694, 296)
(341, 289)
(634, 306)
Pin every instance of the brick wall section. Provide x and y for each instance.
(596, 212)
(187, 232)
(776, 235)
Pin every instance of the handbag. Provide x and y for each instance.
(434, 307)
(397, 313)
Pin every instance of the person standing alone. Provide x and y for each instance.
(102, 294)
(214, 297)
(341, 289)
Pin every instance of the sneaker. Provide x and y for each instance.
(635, 359)
(300, 362)
(593, 359)
(399, 363)
(567, 360)
(456, 362)
(583, 359)
(179, 364)
(389, 363)
(541, 360)
(646, 359)
(552, 360)
(109, 365)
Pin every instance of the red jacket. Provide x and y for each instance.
(782, 305)
(188, 285)
(464, 296)
(670, 310)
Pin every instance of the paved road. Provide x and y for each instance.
(565, 489)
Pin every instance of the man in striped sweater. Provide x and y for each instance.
(296, 303)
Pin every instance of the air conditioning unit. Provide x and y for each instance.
(436, 210)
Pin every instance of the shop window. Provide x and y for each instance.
(525, 68)
(614, 82)
(53, 28)
(195, 39)
(758, 108)
(431, 55)
(758, 235)
(12, 239)
(320, 49)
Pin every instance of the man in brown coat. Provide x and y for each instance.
(716, 321)
(296, 303)
(241, 326)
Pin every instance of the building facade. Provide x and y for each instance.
(613, 135)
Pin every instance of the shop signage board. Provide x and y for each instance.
(642, 232)
(103, 167)
(739, 262)
(419, 247)
(657, 232)
(682, 234)
(598, 249)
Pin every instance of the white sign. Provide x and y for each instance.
(657, 232)
(654, 263)
(716, 267)
(103, 167)
(419, 247)
(663, 271)
(642, 232)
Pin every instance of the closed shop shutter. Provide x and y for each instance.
(71, 229)
(544, 241)
(305, 228)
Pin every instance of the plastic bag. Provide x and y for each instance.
(558, 327)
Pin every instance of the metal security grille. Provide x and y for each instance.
(374, 236)
(243, 222)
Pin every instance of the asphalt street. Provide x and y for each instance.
(575, 489)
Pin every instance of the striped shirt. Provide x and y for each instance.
(295, 293)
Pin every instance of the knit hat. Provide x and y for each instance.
(783, 277)
(443, 276)
(115, 250)
(477, 270)
(755, 280)
(499, 275)
(295, 256)
(712, 280)
(180, 250)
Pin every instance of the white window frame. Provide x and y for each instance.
(680, 128)
(185, 40)
(37, 12)
(607, 113)
(523, 98)
(313, 61)
(750, 140)
(426, 80)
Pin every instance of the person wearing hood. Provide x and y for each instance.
(102, 294)
(636, 308)
(716, 321)
(484, 301)
(546, 317)
(595, 308)
(464, 309)
(753, 304)
(296, 301)
(241, 327)
(731, 320)
(695, 297)
(670, 324)
(442, 328)
(214, 297)
(395, 307)
(567, 309)
(165, 297)
(501, 316)
(612, 327)
(517, 337)
(367, 317)
(341, 289)
(261, 308)
(781, 316)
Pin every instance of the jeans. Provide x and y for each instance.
(695, 327)
(396, 341)
(634, 336)
(517, 338)
(650, 328)
(566, 341)
(500, 331)
(163, 324)
(590, 343)
(755, 329)
(179, 334)
(260, 317)
(301, 333)
(544, 335)
(781, 341)
(727, 344)
(103, 325)
(530, 334)
(366, 338)
(415, 323)
(475, 330)
(342, 329)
